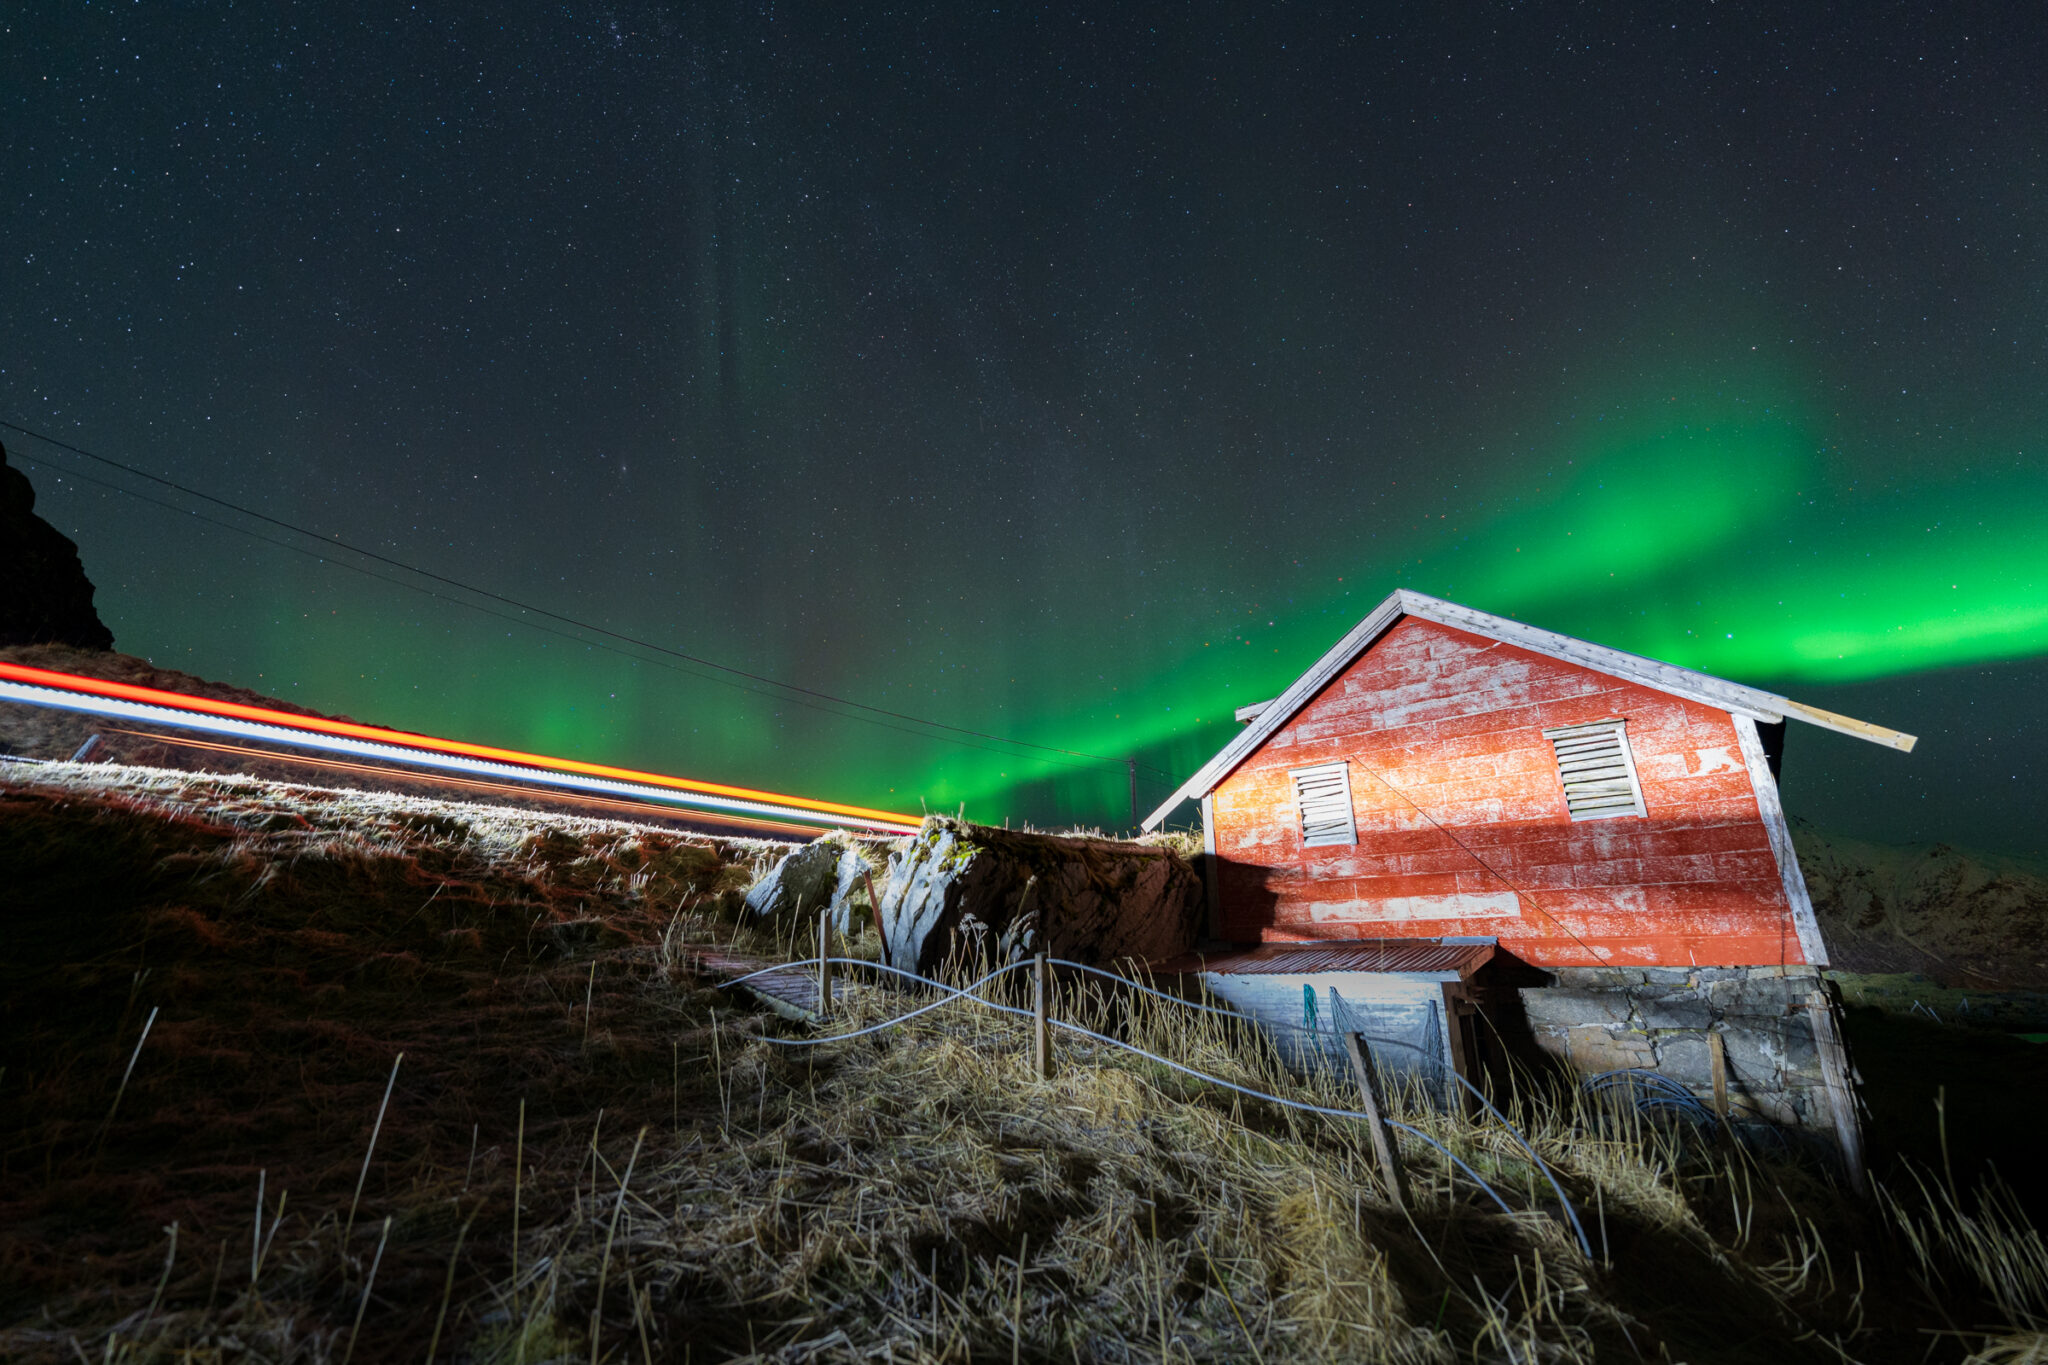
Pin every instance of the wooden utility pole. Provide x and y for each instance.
(1834, 1074)
(1041, 1030)
(825, 966)
(1376, 1123)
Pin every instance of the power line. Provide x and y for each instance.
(521, 621)
(541, 611)
(1469, 852)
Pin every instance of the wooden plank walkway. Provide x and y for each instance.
(791, 992)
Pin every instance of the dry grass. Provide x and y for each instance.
(684, 1188)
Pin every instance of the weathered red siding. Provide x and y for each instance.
(1462, 826)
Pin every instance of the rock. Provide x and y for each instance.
(1653, 1018)
(1596, 978)
(1550, 1008)
(804, 883)
(852, 910)
(1778, 1050)
(1684, 1058)
(820, 875)
(958, 889)
(1760, 994)
(1593, 1049)
(45, 597)
(1659, 1008)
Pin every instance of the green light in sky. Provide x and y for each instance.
(1854, 588)
(1709, 536)
(1716, 535)
(1632, 504)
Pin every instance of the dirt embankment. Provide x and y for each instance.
(207, 981)
(288, 943)
(1964, 919)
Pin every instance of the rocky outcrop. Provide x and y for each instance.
(45, 597)
(959, 891)
(824, 873)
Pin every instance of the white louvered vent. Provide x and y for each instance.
(1322, 797)
(1597, 769)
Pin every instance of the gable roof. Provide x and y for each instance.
(1753, 702)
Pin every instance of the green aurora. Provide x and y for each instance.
(1714, 542)
(1072, 378)
(1713, 539)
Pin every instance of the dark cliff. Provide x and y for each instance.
(45, 597)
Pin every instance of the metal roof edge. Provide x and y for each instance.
(1298, 694)
(1753, 702)
(1734, 697)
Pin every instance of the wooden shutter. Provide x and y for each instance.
(1597, 769)
(1322, 798)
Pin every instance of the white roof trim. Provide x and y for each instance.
(1733, 698)
(1776, 829)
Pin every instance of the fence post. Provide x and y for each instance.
(1041, 1031)
(1834, 1071)
(875, 909)
(1717, 1060)
(1376, 1123)
(825, 967)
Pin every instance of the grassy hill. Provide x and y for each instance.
(588, 1152)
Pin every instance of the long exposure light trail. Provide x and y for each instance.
(579, 801)
(152, 706)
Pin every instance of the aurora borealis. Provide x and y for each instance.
(1052, 374)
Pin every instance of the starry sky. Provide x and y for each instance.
(1060, 376)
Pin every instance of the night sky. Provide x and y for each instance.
(1062, 375)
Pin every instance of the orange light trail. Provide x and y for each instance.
(472, 784)
(48, 687)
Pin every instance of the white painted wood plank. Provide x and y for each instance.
(1849, 725)
(1834, 1070)
(1772, 807)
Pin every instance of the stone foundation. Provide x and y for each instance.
(1658, 1019)
(825, 873)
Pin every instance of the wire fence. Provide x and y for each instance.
(1650, 1092)
(950, 995)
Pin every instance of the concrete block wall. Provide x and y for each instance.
(1657, 1019)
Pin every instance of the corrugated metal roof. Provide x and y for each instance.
(1351, 955)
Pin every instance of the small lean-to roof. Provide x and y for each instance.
(1351, 955)
(1753, 702)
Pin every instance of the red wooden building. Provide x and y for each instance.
(1442, 772)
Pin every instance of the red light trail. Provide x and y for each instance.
(149, 705)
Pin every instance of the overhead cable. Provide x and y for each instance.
(338, 543)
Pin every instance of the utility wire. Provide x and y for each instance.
(518, 620)
(1469, 852)
(551, 615)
